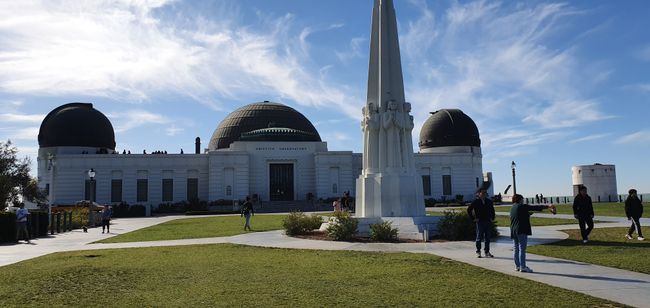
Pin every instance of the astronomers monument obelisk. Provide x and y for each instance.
(388, 185)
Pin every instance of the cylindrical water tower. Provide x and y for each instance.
(599, 179)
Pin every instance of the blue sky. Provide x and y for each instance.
(549, 84)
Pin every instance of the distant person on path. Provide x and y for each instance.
(634, 211)
(247, 211)
(537, 198)
(346, 201)
(481, 211)
(520, 229)
(541, 198)
(107, 212)
(21, 223)
(583, 211)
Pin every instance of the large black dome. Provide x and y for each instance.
(258, 116)
(449, 127)
(76, 124)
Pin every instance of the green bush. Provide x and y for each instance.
(383, 232)
(7, 227)
(458, 226)
(137, 210)
(298, 223)
(342, 227)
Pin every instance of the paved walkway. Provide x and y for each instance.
(617, 285)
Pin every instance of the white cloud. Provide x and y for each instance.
(173, 130)
(124, 50)
(135, 118)
(638, 137)
(590, 138)
(22, 118)
(567, 114)
(354, 51)
(20, 133)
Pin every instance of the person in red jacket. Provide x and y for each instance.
(634, 211)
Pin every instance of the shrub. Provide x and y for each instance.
(458, 226)
(429, 202)
(383, 232)
(137, 210)
(7, 227)
(342, 227)
(298, 223)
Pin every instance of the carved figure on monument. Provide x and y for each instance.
(370, 127)
(407, 137)
(391, 125)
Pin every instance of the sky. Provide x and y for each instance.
(549, 84)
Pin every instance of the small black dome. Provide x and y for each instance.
(76, 124)
(258, 116)
(449, 127)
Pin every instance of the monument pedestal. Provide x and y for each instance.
(389, 195)
(413, 228)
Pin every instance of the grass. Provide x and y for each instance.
(203, 227)
(607, 246)
(231, 275)
(504, 221)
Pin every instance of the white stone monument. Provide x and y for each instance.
(389, 188)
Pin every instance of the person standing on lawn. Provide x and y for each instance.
(481, 211)
(634, 211)
(21, 223)
(583, 211)
(520, 229)
(107, 212)
(247, 212)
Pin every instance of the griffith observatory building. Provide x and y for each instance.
(265, 149)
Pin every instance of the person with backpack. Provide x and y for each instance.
(247, 212)
(634, 211)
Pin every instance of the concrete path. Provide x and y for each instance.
(617, 285)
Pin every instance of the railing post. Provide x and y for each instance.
(58, 222)
(65, 222)
(70, 219)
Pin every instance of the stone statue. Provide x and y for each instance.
(391, 126)
(407, 137)
(370, 127)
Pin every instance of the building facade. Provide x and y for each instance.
(265, 149)
(599, 179)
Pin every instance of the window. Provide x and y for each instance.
(335, 188)
(477, 182)
(87, 190)
(426, 185)
(116, 190)
(142, 190)
(228, 190)
(192, 189)
(446, 185)
(47, 189)
(167, 190)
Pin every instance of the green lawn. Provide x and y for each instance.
(504, 221)
(187, 228)
(231, 275)
(607, 246)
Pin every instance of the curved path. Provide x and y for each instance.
(617, 285)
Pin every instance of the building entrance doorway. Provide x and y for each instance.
(281, 182)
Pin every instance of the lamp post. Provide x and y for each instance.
(514, 183)
(91, 193)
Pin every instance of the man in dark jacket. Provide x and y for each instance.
(520, 229)
(481, 211)
(634, 211)
(583, 211)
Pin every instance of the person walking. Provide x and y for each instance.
(481, 211)
(520, 229)
(21, 224)
(583, 211)
(247, 212)
(634, 211)
(337, 205)
(107, 213)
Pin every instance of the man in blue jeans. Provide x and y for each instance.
(520, 229)
(481, 211)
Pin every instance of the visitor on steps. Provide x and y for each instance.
(520, 229)
(634, 211)
(481, 211)
(583, 211)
